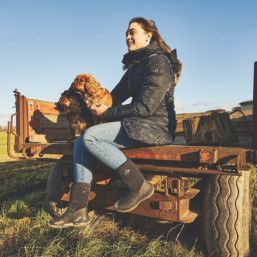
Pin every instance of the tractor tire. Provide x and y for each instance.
(226, 215)
(58, 183)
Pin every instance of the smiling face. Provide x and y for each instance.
(137, 37)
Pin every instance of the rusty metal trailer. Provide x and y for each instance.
(42, 133)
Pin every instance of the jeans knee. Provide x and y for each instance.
(89, 137)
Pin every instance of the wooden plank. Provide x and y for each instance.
(210, 129)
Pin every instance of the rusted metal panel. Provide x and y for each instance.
(188, 153)
(49, 135)
(45, 107)
(208, 156)
(39, 121)
(46, 124)
(167, 205)
(155, 207)
(254, 143)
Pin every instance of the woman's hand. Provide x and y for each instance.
(97, 109)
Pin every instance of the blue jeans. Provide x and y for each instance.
(102, 142)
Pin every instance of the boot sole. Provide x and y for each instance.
(84, 224)
(134, 207)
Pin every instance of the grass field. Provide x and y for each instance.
(3, 151)
(24, 217)
(17, 176)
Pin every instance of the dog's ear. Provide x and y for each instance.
(58, 106)
(81, 76)
(87, 76)
(61, 107)
(71, 88)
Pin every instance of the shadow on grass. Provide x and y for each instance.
(22, 177)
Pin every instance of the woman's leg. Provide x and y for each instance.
(76, 214)
(105, 140)
(82, 161)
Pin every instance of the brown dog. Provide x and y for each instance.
(72, 104)
(93, 92)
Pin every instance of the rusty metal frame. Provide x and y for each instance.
(254, 128)
(23, 147)
(10, 132)
(172, 205)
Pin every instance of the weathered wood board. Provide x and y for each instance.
(211, 128)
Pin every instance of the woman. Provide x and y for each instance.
(151, 73)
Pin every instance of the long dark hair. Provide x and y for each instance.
(149, 26)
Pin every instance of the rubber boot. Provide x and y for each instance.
(76, 214)
(139, 188)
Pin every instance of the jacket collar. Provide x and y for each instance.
(140, 54)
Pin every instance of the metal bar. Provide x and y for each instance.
(9, 133)
(254, 128)
(169, 170)
(20, 103)
(25, 119)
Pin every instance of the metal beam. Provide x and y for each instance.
(254, 128)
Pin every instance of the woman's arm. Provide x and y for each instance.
(121, 93)
(158, 78)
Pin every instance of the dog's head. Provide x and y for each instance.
(79, 82)
(70, 101)
(86, 84)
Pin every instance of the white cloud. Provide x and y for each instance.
(182, 107)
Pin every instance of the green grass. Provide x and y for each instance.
(18, 177)
(3, 151)
(25, 233)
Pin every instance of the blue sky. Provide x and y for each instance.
(44, 44)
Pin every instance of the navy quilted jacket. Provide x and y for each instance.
(150, 81)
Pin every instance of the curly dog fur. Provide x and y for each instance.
(92, 90)
(72, 102)
(79, 116)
